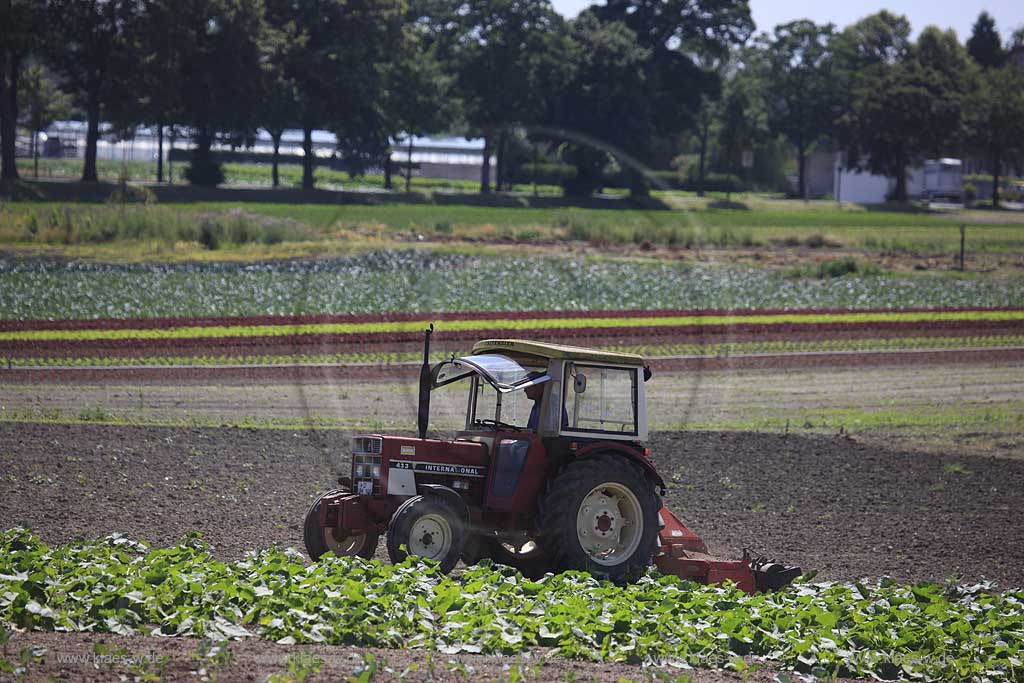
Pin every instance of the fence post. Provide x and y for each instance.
(963, 239)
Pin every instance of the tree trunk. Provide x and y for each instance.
(900, 193)
(638, 184)
(387, 169)
(159, 152)
(202, 155)
(485, 170)
(275, 136)
(995, 182)
(8, 116)
(170, 155)
(801, 171)
(307, 158)
(702, 158)
(92, 135)
(35, 154)
(408, 167)
(536, 156)
(499, 171)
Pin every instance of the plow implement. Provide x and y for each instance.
(684, 554)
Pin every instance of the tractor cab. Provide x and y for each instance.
(579, 393)
(535, 406)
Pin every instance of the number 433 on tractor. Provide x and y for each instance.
(564, 483)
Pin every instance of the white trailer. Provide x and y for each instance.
(943, 178)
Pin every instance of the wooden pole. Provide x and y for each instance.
(963, 240)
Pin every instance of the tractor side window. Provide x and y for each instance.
(601, 399)
(515, 407)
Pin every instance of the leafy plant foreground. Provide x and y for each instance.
(884, 630)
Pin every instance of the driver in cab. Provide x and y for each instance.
(534, 392)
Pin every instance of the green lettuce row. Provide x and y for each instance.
(563, 323)
(887, 630)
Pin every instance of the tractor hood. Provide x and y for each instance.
(501, 372)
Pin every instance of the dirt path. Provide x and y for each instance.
(72, 656)
(917, 406)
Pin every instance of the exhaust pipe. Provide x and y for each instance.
(423, 417)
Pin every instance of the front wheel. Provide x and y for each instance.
(320, 539)
(429, 527)
(600, 515)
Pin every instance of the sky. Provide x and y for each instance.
(1009, 14)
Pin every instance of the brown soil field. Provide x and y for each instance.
(846, 509)
(70, 656)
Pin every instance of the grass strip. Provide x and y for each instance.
(223, 331)
(940, 420)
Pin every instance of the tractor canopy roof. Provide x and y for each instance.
(518, 348)
(503, 373)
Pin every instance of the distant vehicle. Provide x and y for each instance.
(943, 179)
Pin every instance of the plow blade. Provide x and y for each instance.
(684, 554)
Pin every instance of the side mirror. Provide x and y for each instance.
(579, 384)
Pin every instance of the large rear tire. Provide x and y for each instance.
(427, 526)
(319, 540)
(600, 515)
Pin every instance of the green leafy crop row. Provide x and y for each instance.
(432, 282)
(885, 630)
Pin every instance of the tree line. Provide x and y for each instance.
(626, 86)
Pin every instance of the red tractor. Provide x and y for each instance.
(549, 474)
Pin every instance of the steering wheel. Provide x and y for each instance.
(498, 424)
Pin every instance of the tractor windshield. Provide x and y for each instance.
(501, 372)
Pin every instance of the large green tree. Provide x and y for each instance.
(161, 30)
(913, 110)
(864, 54)
(800, 91)
(94, 53)
(864, 51)
(277, 109)
(743, 118)
(419, 94)
(334, 55)
(985, 45)
(689, 44)
(509, 57)
(703, 29)
(995, 120)
(608, 108)
(218, 76)
(23, 31)
(43, 104)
